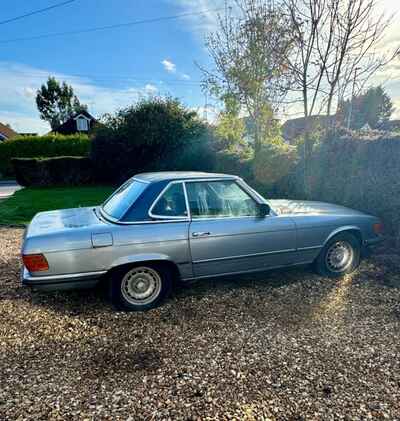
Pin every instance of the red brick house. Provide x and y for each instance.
(6, 132)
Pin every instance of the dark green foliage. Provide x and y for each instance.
(154, 134)
(57, 102)
(359, 171)
(272, 167)
(41, 146)
(58, 171)
(372, 107)
(235, 162)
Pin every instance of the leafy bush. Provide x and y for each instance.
(199, 155)
(41, 146)
(152, 135)
(235, 161)
(272, 167)
(63, 170)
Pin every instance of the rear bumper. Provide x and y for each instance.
(61, 282)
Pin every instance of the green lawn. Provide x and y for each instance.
(24, 204)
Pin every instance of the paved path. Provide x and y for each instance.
(8, 188)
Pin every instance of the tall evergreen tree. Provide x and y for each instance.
(371, 107)
(56, 102)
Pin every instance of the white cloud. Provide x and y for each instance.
(169, 66)
(151, 89)
(209, 113)
(184, 76)
(19, 83)
(396, 113)
(23, 123)
(201, 23)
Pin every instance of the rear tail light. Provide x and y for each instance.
(378, 228)
(35, 262)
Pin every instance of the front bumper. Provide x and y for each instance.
(61, 282)
(372, 243)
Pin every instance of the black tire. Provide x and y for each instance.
(140, 287)
(331, 265)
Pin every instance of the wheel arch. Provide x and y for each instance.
(351, 229)
(136, 260)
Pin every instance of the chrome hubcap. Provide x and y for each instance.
(339, 256)
(141, 285)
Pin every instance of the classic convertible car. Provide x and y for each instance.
(158, 227)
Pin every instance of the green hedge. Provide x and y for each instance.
(41, 146)
(57, 171)
(361, 171)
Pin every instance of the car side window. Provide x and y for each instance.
(171, 203)
(209, 199)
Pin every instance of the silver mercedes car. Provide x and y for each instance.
(166, 226)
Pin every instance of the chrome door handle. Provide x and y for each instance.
(200, 234)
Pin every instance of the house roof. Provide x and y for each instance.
(70, 125)
(85, 114)
(6, 131)
(297, 126)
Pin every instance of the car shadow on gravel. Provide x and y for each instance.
(259, 294)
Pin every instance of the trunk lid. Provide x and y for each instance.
(64, 220)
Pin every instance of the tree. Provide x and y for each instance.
(250, 53)
(338, 50)
(371, 107)
(229, 127)
(57, 102)
(151, 135)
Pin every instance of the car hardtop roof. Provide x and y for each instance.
(151, 177)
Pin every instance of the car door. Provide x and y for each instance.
(226, 235)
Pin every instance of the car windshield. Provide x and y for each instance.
(121, 200)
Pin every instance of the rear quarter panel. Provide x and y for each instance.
(74, 252)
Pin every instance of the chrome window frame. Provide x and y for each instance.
(168, 217)
(241, 184)
(104, 213)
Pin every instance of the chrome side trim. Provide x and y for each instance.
(310, 248)
(243, 272)
(28, 277)
(243, 256)
(213, 218)
(152, 215)
(159, 221)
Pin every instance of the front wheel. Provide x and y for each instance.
(140, 287)
(340, 256)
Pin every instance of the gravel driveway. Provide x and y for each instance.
(288, 345)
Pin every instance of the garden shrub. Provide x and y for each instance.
(237, 162)
(41, 146)
(63, 170)
(152, 135)
(272, 167)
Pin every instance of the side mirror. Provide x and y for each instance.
(263, 210)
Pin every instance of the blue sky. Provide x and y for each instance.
(109, 68)
(113, 68)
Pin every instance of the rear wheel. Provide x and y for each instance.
(340, 256)
(140, 287)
